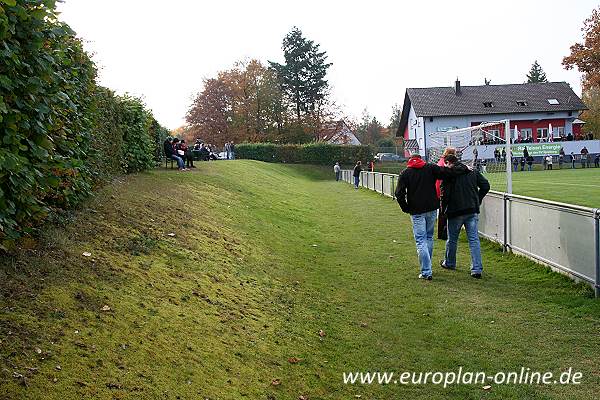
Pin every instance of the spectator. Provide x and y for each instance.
(515, 161)
(232, 149)
(462, 197)
(549, 161)
(338, 171)
(503, 154)
(597, 161)
(525, 152)
(416, 196)
(522, 163)
(584, 157)
(570, 137)
(497, 154)
(475, 154)
(170, 153)
(227, 151)
(187, 154)
(529, 162)
(356, 173)
(572, 160)
(545, 162)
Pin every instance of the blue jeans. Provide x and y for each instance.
(470, 222)
(337, 176)
(179, 160)
(423, 225)
(356, 181)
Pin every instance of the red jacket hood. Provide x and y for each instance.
(415, 162)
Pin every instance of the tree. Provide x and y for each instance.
(395, 119)
(586, 56)
(211, 112)
(302, 77)
(536, 74)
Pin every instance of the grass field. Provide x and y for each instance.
(264, 257)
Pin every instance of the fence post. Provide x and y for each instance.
(597, 250)
(505, 216)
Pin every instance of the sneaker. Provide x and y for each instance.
(443, 265)
(476, 275)
(427, 278)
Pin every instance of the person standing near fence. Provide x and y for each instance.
(338, 171)
(549, 162)
(572, 160)
(356, 173)
(417, 196)
(462, 197)
(232, 149)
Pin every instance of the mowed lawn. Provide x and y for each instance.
(263, 258)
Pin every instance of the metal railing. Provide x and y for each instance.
(562, 236)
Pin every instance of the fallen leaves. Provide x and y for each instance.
(294, 360)
(487, 387)
(322, 333)
(276, 382)
(86, 254)
(171, 234)
(105, 308)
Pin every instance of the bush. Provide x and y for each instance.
(313, 153)
(61, 133)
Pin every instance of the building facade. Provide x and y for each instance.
(531, 108)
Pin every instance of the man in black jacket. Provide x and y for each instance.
(461, 198)
(417, 196)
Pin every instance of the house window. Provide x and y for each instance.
(526, 133)
(554, 102)
(560, 131)
(522, 103)
(493, 134)
(542, 133)
(488, 104)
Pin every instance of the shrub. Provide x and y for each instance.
(313, 153)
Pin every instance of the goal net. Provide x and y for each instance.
(481, 147)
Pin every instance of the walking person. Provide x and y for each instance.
(572, 160)
(462, 197)
(356, 173)
(417, 196)
(338, 171)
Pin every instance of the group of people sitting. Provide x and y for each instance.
(177, 150)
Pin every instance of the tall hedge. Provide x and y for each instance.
(313, 153)
(61, 133)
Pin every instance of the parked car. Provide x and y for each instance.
(388, 157)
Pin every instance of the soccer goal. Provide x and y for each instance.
(482, 147)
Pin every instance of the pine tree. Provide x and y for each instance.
(536, 74)
(302, 76)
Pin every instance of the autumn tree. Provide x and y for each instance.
(586, 56)
(211, 112)
(395, 119)
(536, 74)
(302, 76)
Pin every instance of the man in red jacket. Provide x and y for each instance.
(417, 196)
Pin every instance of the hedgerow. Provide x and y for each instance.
(313, 153)
(62, 134)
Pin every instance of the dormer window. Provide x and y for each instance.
(521, 103)
(488, 104)
(554, 102)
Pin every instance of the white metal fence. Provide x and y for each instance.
(563, 236)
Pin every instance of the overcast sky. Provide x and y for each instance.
(162, 50)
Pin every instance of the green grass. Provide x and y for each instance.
(264, 257)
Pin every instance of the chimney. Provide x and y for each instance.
(457, 87)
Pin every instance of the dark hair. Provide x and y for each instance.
(176, 140)
(451, 159)
(182, 140)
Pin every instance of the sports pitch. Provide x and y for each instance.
(574, 186)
